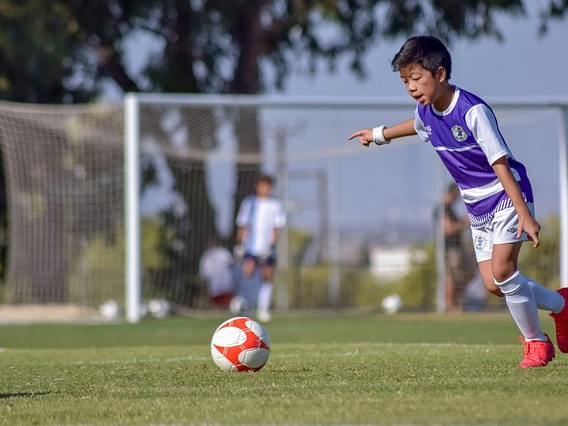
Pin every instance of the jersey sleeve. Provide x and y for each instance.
(243, 216)
(280, 219)
(419, 127)
(483, 125)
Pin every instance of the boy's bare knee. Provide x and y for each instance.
(501, 274)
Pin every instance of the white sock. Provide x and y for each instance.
(264, 296)
(522, 305)
(547, 299)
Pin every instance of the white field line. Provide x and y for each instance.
(273, 355)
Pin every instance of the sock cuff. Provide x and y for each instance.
(512, 284)
(508, 280)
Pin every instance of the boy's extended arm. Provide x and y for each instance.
(527, 223)
(406, 128)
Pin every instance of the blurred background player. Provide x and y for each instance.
(216, 269)
(458, 269)
(259, 220)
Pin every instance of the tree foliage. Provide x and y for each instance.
(60, 50)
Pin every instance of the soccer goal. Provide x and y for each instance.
(344, 198)
(119, 202)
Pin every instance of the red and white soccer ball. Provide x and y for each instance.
(240, 344)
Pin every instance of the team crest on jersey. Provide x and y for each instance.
(459, 134)
(481, 242)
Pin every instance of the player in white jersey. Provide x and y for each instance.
(493, 185)
(259, 220)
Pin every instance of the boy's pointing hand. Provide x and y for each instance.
(365, 136)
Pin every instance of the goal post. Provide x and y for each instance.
(563, 167)
(133, 265)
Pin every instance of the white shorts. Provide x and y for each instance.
(502, 229)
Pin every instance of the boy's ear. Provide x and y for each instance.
(441, 74)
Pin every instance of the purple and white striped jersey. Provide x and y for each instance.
(466, 136)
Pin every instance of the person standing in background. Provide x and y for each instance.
(216, 270)
(456, 264)
(259, 220)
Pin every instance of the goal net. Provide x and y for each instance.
(64, 178)
(91, 219)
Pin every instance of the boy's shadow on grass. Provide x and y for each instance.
(22, 394)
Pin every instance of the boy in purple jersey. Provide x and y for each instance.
(493, 185)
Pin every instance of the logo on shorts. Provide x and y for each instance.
(512, 230)
(459, 134)
(481, 243)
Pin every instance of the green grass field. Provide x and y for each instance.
(408, 369)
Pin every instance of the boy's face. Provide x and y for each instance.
(424, 87)
(263, 189)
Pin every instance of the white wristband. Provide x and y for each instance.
(379, 137)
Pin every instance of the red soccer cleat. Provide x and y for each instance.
(537, 353)
(561, 321)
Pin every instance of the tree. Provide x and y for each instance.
(215, 46)
(60, 51)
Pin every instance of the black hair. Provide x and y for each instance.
(266, 179)
(427, 51)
